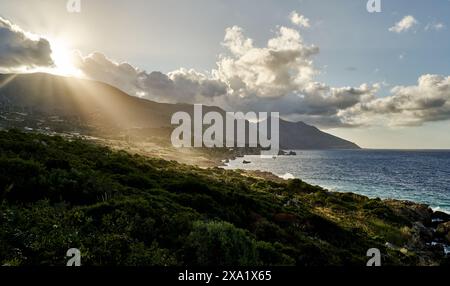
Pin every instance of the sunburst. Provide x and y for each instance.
(63, 58)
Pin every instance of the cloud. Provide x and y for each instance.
(319, 105)
(97, 66)
(281, 77)
(285, 65)
(299, 20)
(19, 49)
(427, 101)
(236, 42)
(182, 85)
(404, 25)
(278, 76)
(196, 87)
(436, 26)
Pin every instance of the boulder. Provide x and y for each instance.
(423, 233)
(443, 230)
(440, 217)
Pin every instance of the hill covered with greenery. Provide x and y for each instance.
(123, 209)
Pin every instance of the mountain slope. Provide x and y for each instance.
(102, 106)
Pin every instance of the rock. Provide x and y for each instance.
(443, 231)
(443, 228)
(285, 153)
(424, 233)
(440, 216)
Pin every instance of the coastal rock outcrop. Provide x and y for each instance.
(412, 211)
(443, 230)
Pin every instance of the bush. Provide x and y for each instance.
(220, 244)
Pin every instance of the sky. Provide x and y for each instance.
(378, 79)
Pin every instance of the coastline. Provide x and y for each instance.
(295, 222)
(286, 175)
(436, 212)
(266, 175)
(205, 159)
(427, 227)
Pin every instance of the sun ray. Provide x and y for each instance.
(7, 80)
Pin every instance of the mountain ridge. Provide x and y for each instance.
(99, 104)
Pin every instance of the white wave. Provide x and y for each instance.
(439, 209)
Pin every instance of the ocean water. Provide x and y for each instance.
(420, 176)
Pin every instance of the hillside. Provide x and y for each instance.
(41, 101)
(123, 209)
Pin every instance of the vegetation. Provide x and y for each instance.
(123, 209)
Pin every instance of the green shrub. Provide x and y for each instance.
(220, 244)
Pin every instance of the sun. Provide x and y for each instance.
(63, 58)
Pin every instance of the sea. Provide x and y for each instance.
(421, 176)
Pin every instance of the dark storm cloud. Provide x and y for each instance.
(17, 49)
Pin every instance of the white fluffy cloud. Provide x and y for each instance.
(404, 24)
(279, 76)
(182, 85)
(19, 49)
(427, 101)
(283, 66)
(299, 20)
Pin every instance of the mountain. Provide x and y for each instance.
(299, 135)
(40, 100)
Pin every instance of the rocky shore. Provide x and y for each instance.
(429, 235)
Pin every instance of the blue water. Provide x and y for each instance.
(420, 176)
